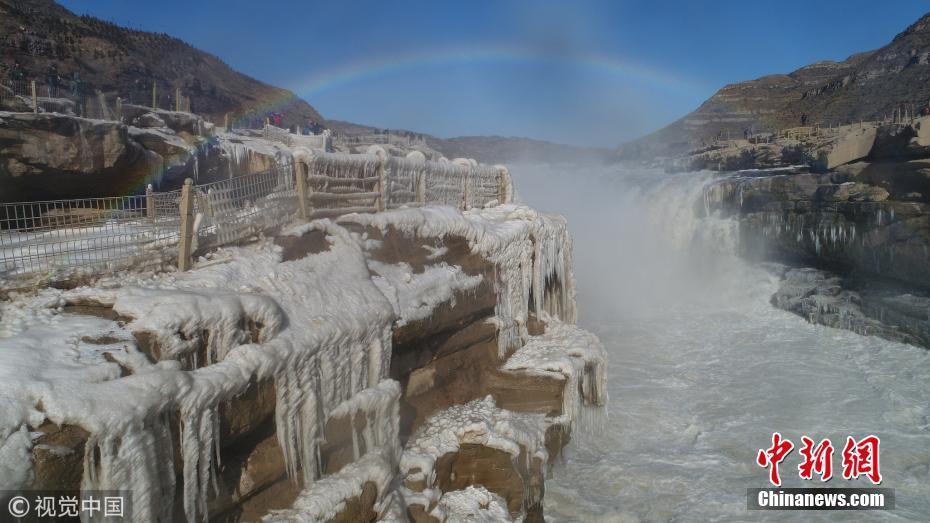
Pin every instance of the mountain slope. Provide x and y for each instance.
(486, 149)
(865, 86)
(45, 39)
(40, 35)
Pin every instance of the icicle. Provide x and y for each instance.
(138, 459)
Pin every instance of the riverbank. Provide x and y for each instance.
(704, 368)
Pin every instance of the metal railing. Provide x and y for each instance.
(76, 240)
(80, 99)
(321, 141)
(71, 239)
(387, 138)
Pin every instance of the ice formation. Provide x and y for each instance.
(325, 336)
(574, 355)
(318, 326)
(478, 422)
(472, 504)
(415, 295)
(531, 250)
(380, 407)
(327, 497)
(239, 147)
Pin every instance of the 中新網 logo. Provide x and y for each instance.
(859, 458)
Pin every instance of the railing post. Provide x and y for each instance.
(35, 98)
(177, 99)
(119, 108)
(466, 197)
(381, 202)
(421, 187)
(504, 185)
(154, 94)
(187, 226)
(226, 122)
(149, 203)
(302, 190)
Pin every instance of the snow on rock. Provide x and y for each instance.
(415, 295)
(326, 335)
(239, 147)
(179, 318)
(327, 497)
(15, 456)
(381, 407)
(478, 422)
(319, 326)
(471, 504)
(574, 354)
(532, 252)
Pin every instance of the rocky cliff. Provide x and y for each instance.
(49, 156)
(855, 242)
(865, 86)
(416, 363)
(41, 35)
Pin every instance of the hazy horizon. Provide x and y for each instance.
(587, 73)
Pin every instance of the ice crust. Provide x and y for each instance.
(575, 355)
(319, 326)
(472, 504)
(531, 250)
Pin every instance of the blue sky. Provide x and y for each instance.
(579, 72)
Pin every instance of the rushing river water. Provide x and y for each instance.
(702, 369)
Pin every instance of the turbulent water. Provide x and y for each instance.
(702, 369)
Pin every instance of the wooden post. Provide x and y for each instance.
(226, 122)
(466, 197)
(149, 203)
(154, 94)
(421, 187)
(187, 226)
(119, 108)
(35, 98)
(504, 189)
(302, 190)
(381, 201)
(177, 99)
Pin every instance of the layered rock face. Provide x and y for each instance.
(866, 86)
(418, 363)
(49, 156)
(869, 222)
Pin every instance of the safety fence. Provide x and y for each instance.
(397, 139)
(310, 141)
(74, 240)
(338, 183)
(79, 99)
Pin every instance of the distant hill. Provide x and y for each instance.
(865, 86)
(500, 149)
(41, 35)
(44, 39)
(487, 149)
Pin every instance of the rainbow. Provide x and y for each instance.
(610, 67)
(601, 64)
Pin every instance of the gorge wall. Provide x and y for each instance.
(866, 86)
(416, 364)
(855, 242)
